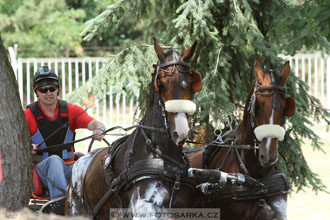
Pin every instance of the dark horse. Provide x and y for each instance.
(146, 170)
(262, 125)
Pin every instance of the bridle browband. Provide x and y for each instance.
(178, 63)
(182, 81)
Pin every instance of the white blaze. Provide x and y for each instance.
(181, 126)
(269, 139)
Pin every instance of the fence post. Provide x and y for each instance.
(13, 59)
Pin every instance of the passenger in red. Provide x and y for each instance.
(52, 121)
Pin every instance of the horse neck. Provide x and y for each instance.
(154, 118)
(246, 136)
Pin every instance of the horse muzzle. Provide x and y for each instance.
(180, 127)
(268, 135)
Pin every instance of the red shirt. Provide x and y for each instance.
(81, 121)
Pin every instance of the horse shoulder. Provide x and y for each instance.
(74, 204)
(196, 158)
(95, 183)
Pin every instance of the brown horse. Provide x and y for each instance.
(145, 171)
(264, 113)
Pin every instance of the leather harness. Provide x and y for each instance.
(164, 167)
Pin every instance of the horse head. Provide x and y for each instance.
(268, 108)
(176, 83)
(170, 104)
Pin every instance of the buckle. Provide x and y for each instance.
(262, 202)
(177, 182)
(176, 186)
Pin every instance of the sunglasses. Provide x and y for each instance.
(45, 89)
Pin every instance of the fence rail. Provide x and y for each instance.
(74, 72)
(314, 70)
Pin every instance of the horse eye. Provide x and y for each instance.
(162, 86)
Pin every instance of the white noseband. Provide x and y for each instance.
(180, 105)
(268, 130)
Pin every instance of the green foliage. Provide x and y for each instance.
(45, 28)
(50, 28)
(308, 23)
(128, 73)
(230, 35)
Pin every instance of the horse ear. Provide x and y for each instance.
(259, 73)
(196, 81)
(290, 107)
(188, 53)
(159, 51)
(284, 73)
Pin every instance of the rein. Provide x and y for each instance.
(64, 145)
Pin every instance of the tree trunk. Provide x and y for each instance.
(15, 143)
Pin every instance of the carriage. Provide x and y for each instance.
(149, 170)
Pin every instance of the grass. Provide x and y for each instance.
(307, 205)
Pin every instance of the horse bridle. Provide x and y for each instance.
(276, 89)
(182, 81)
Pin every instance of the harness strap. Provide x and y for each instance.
(175, 63)
(142, 167)
(261, 204)
(175, 188)
(274, 185)
(103, 200)
(224, 159)
(241, 164)
(153, 149)
(154, 167)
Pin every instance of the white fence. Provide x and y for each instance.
(314, 70)
(74, 72)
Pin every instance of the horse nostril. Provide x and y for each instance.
(262, 157)
(175, 135)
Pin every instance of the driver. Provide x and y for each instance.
(52, 121)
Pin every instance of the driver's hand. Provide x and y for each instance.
(98, 135)
(34, 146)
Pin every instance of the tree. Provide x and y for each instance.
(51, 28)
(45, 28)
(15, 142)
(231, 35)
